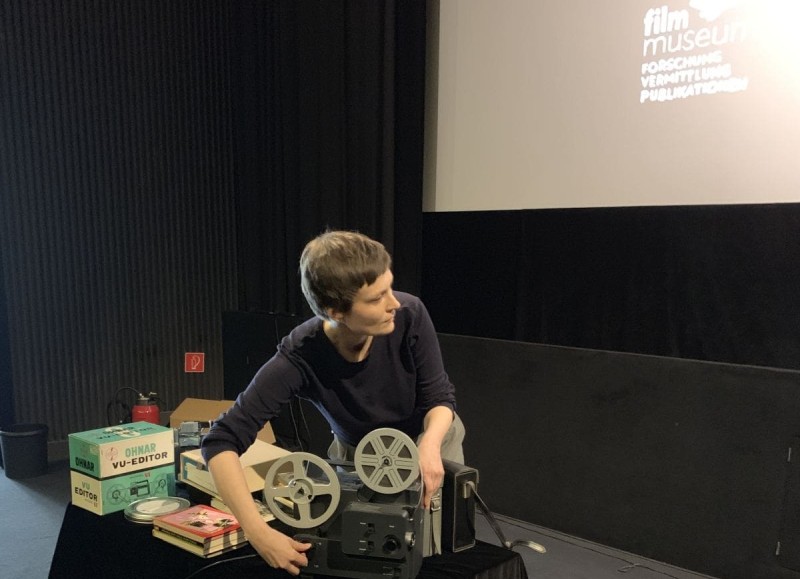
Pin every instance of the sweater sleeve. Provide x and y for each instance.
(273, 385)
(433, 384)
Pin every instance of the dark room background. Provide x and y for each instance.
(163, 162)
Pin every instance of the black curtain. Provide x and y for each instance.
(328, 117)
(6, 387)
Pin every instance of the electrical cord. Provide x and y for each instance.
(296, 431)
(196, 572)
(305, 422)
(498, 531)
(120, 409)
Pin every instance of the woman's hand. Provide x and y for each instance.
(437, 422)
(432, 469)
(277, 549)
(281, 551)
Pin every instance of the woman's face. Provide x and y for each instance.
(374, 306)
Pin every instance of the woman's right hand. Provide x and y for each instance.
(281, 551)
(277, 549)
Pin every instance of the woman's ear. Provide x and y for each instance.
(334, 315)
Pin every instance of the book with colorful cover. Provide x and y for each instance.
(200, 523)
(211, 548)
(263, 510)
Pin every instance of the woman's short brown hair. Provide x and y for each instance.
(335, 265)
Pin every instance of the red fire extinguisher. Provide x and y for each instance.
(146, 409)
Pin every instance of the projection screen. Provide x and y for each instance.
(586, 103)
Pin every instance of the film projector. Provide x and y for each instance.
(367, 522)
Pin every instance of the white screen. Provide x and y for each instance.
(590, 103)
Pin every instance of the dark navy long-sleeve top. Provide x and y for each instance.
(401, 379)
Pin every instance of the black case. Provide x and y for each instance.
(458, 507)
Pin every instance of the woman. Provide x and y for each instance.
(368, 359)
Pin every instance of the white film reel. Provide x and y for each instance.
(302, 490)
(387, 461)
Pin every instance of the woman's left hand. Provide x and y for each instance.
(432, 469)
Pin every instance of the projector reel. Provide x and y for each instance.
(295, 497)
(387, 461)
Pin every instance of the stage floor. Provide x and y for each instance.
(569, 557)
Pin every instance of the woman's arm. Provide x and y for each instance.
(277, 549)
(437, 423)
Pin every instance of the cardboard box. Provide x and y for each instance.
(103, 496)
(255, 463)
(201, 410)
(109, 452)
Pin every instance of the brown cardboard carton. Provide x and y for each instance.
(202, 410)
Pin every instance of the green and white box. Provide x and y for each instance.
(116, 450)
(114, 494)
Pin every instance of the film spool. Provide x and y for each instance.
(144, 511)
(387, 461)
(302, 490)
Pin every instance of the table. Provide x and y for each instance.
(96, 546)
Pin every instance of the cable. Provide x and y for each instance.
(294, 425)
(305, 422)
(121, 410)
(498, 531)
(215, 563)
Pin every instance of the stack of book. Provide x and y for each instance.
(201, 529)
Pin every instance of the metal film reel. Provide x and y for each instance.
(387, 461)
(145, 510)
(301, 490)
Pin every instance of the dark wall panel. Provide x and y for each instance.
(117, 222)
(681, 461)
(714, 283)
